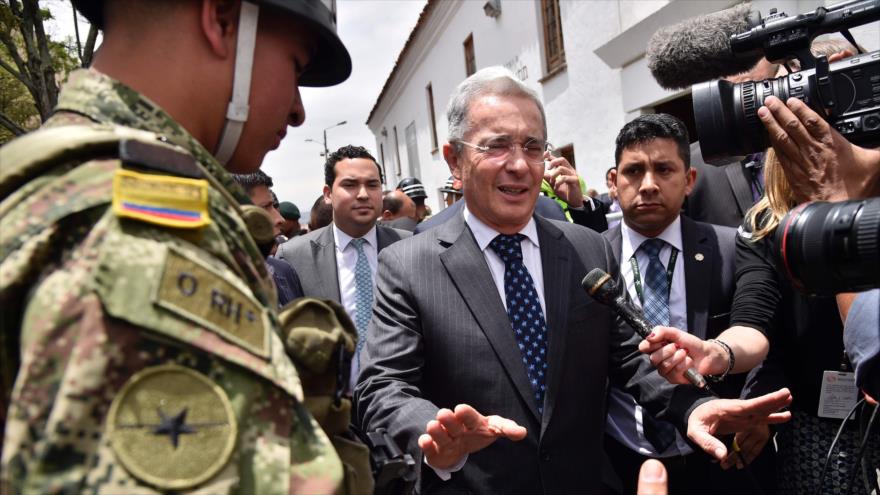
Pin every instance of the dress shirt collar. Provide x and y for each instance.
(342, 240)
(631, 240)
(484, 234)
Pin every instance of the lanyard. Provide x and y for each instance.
(670, 268)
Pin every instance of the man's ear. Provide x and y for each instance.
(613, 174)
(691, 176)
(452, 160)
(219, 19)
(327, 195)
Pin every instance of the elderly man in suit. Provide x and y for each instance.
(339, 261)
(484, 354)
(681, 272)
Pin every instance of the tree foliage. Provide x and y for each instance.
(32, 66)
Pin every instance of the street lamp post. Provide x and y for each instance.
(326, 151)
(310, 140)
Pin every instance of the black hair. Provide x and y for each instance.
(348, 151)
(654, 126)
(250, 181)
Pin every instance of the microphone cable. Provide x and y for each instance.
(834, 444)
(860, 459)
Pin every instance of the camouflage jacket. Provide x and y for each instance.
(150, 355)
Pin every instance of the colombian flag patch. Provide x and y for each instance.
(160, 199)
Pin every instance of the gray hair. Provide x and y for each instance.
(494, 80)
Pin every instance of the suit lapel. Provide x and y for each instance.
(742, 191)
(615, 238)
(385, 237)
(324, 254)
(469, 272)
(699, 254)
(556, 262)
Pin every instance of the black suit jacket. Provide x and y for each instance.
(440, 336)
(710, 282)
(722, 194)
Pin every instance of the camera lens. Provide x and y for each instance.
(727, 114)
(827, 248)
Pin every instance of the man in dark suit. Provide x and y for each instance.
(724, 193)
(339, 261)
(695, 262)
(484, 354)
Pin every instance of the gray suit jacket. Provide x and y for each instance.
(440, 336)
(722, 194)
(313, 257)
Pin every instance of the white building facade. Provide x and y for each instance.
(585, 59)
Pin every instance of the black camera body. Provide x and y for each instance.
(846, 93)
(727, 114)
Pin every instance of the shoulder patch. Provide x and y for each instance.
(193, 290)
(162, 200)
(172, 427)
(150, 278)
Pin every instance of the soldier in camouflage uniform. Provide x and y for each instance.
(151, 354)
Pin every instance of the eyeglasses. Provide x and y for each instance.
(501, 149)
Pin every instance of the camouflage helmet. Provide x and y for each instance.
(331, 63)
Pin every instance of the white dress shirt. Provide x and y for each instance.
(531, 250)
(346, 260)
(624, 420)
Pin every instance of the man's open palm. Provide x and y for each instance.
(455, 434)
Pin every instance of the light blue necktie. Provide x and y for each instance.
(363, 283)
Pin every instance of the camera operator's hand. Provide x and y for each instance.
(819, 163)
(453, 435)
(564, 180)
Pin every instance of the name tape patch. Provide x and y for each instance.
(160, 199)
(196, 292)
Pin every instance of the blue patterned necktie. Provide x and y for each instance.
(655, 305)
(655, 302)
(363, 285)
(524, 311)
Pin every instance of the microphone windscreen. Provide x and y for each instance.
(698, 49)
(600, 286)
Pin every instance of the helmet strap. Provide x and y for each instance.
(237, 111)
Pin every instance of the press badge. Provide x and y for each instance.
(839, 394)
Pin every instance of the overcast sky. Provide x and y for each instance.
(374, 33)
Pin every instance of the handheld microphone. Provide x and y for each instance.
(601, 287)
(698, 49)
